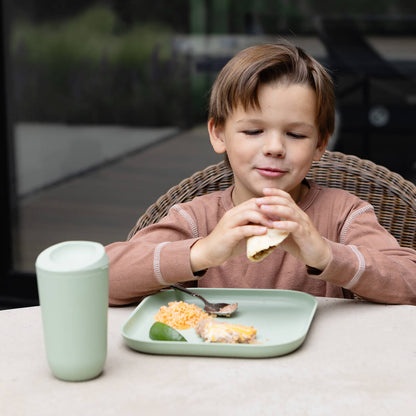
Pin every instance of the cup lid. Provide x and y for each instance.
(70, 256)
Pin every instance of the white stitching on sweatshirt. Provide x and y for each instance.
(189, 220)
(351, 218)
(158, 249)
(156, 263)
(361, 268)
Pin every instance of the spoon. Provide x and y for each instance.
(219, 309)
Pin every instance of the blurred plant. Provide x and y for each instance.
(90, 68)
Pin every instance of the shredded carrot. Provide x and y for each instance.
(181, 315)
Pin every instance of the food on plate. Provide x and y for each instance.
(162, 332)
(213, 331)
(227, 311)
(260, 246)
(181, 315)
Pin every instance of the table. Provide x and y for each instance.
(359, 359)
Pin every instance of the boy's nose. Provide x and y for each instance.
(274, 146)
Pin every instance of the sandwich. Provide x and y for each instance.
(260, 246)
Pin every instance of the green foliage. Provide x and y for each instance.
(89, 37)
(92, 69)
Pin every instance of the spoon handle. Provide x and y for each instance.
(184, 289)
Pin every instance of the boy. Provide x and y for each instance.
(271, 113)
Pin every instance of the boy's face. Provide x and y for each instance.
(272, 147)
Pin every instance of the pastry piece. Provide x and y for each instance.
(213, 331)
(260, 246)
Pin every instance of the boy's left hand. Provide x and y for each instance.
(304, 241)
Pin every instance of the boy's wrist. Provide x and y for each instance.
(198, 259)
(321, 263)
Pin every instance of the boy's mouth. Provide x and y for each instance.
(270, 172)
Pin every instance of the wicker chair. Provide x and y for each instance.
(393, 198)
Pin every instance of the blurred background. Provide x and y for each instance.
(104, 103)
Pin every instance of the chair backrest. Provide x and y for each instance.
(393, 198)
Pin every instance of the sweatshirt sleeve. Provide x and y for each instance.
(153, 258)
(368, 261)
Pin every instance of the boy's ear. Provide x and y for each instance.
(216, 136)
(320, 148)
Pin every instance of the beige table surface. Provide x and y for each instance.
(358, 359)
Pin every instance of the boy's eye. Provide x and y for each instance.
(296, 135)
(252, 132)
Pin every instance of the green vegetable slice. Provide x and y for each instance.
(162, 332)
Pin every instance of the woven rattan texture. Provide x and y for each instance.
(393, 198)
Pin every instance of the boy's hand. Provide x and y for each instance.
(304, 241)
(228, 238)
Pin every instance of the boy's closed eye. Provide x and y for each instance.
(296, 135)
(253, 132)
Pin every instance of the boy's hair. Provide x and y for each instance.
(238, 82)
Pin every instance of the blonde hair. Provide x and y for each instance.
(238, 82)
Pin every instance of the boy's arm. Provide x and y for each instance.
(180, 247)
(369, 262)
(155, 257)
(360, 255)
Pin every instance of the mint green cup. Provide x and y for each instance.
(72, 279)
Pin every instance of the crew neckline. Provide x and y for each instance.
(304, 203)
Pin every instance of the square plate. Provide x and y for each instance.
(282, 319)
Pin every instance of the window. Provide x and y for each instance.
(87, 84)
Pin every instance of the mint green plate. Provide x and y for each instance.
(282, 319)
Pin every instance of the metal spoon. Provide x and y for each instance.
(219, 309)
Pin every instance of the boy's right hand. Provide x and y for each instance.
(228, 238)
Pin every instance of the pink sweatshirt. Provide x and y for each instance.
(366, 259)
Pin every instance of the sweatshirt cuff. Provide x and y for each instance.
(343, 266)
(172, 263)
